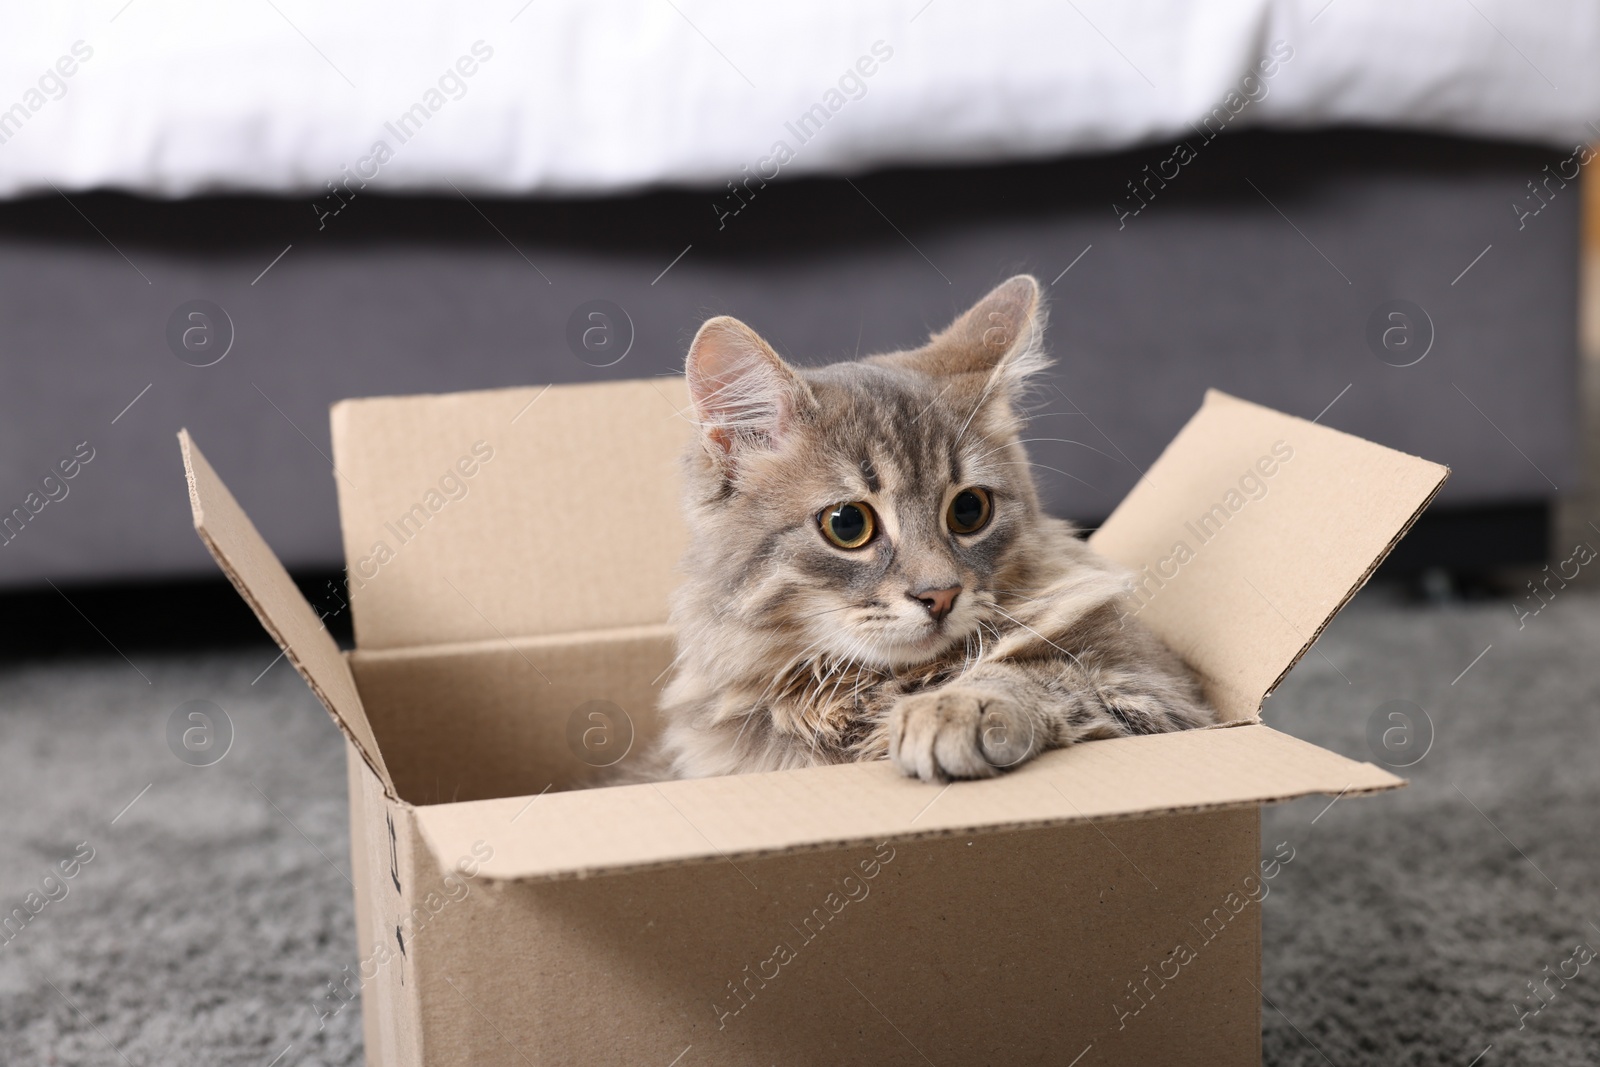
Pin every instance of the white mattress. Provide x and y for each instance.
(572, 96)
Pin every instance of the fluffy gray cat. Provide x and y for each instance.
(871, 575)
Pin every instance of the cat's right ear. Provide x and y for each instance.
(1001, 337)
(744, 394)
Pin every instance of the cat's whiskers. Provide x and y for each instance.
(1056, 470)
(821, 640)
(875, 652)
(857, 643)
(861, 683)
(783, 672)
(818, 721)
(829, 611)
(851, 666)
(755, 710)
(1023, 609)
(1038, 440)
(676, 659)
(820, 672)
(1069, 654)
(997, 448)
(817, 709)
(828, 668)
(983, 398)
(1013, 592)
(994, 632)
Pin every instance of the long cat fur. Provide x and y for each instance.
(793, 652)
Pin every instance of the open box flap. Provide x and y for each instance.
(510, 512)
(263, 583)
(1251, 531)
(641, 827)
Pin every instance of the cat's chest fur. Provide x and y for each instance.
(842, 707)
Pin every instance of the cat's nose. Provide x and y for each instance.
(937, 601)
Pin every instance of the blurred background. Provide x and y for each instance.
(1379, 216)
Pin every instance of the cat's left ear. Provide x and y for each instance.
(745, 396)
(1000, 337)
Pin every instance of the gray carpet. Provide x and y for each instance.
(215, 909)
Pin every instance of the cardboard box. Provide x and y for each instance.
(510, 555)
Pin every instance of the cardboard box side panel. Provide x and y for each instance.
(1025, 948)
(260, 579)
(383, 857)
(514, 718)
(512, 512)
(360, 874)
(1253, 930)
(446, 941)
(1266, 521)
(715, 820)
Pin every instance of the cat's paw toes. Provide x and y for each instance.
(959, 732)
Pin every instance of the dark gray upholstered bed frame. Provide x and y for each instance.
(1256, 269)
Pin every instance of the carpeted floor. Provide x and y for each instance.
(214, 909)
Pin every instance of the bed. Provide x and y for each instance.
(1230, 195)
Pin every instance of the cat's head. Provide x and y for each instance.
(874, 510)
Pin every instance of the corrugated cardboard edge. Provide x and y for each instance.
(519, 642)
(584, 874)
(1377, 780)
(348, 713)
(1218, 396)
(581, 874)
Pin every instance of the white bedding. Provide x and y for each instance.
(175, 98)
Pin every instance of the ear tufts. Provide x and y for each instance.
(1001, 336)
(744, 395)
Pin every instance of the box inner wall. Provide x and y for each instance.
(508, 718)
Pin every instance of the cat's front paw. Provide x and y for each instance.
(963, 731)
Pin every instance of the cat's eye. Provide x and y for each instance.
(848, 525)
(969, 511)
